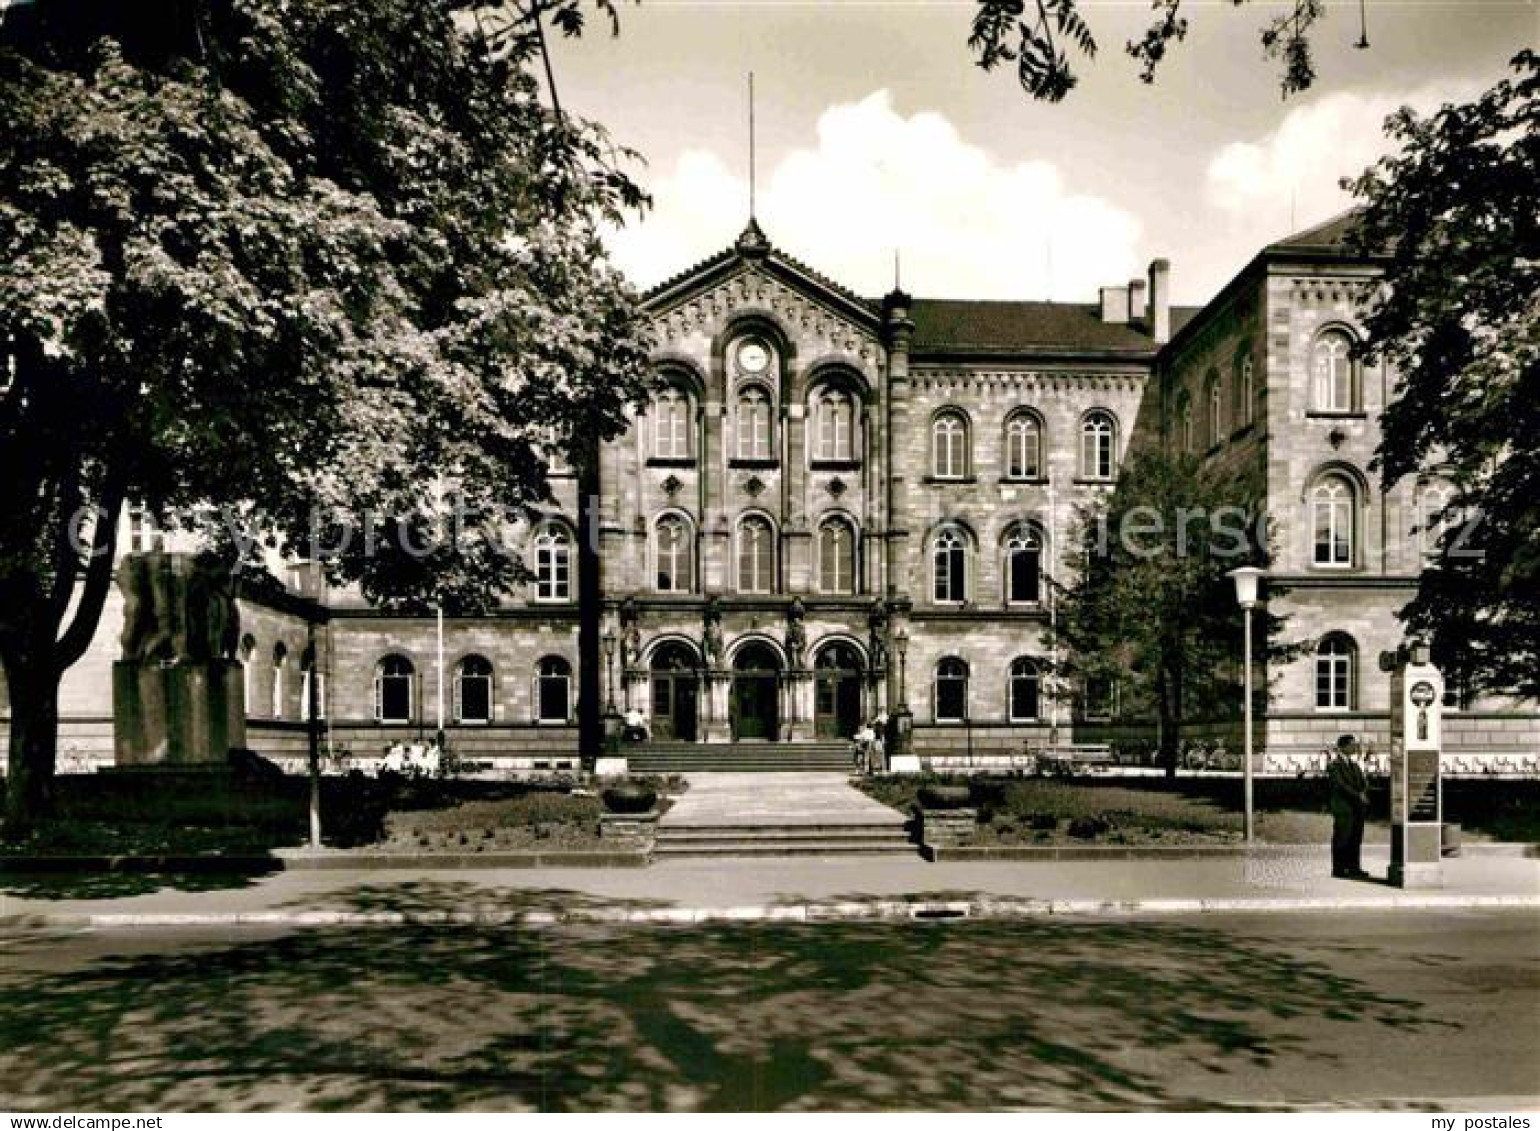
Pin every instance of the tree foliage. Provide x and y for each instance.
(1456, 211)
(1041, 37)
(289, 256)
(1152, 609)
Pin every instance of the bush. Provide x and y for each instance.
(1089, 828)
(945, 796)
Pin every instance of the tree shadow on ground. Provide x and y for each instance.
(852, 1016)
(427, 899)
(121, 884)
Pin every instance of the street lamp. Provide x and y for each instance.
(609, 672)
(1246, 578)
(901, 646)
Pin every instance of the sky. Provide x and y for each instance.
(876, 134)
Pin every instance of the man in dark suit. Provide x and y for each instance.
(1349, 802)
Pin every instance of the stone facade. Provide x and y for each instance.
(790, 411)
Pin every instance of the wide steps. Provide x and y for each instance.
(739, 758)
(837, 837)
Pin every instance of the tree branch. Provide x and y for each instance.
(88, 613)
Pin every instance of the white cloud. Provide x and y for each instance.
(966, 225)
(1296, 168)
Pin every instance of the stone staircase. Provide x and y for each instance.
(791, 814)
(738, 757)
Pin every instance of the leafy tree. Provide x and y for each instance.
(1152, 609)
(1455, 217)
(288, 257)
(1040, 38)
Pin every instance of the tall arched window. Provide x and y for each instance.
(836, 557)
(949, 440)
(1024, 566)
(835, 421)
(553, 565)
(473, 690)
(1336, 660)
(1434, 517)
(1185, 428)
(553, 690)
(1245, 393)
(1023, 447)
(1026, 691)
(1336, 373)
(951, 690)
(753, 424)
(675, 555)
(1333, 508)
(312, 687)
(949, 567)
(1098, 439)
(280, 673)
(671, 425)
(248, 653)
(1216, 412)
(756, 556)
(394, 690)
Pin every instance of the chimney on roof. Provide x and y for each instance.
(1160, 300)
(1114, 304)
(1136, 300)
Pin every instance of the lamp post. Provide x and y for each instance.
(901, 646)
(1246, 579)
(609, 672)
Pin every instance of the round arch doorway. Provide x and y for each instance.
(675, 693)
(756, 689)
(837, 695)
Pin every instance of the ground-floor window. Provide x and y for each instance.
(951, 690)
(1025, 692)
(553, 690)
(473, 690)
(394, 677)
(1334, 675)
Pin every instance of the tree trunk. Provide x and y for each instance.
(34, 690)
(1167, 754)
(590, 610)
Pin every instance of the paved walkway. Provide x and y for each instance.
(795, 799)
(807, 888)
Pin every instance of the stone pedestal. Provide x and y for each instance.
(629, 832)
(715, 716)
(948, 828)
(611, 767)
(187, 713)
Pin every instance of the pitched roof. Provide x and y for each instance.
(956, 326)
(1332, 237)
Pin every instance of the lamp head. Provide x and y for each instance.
(1246, 579)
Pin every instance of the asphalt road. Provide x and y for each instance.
(1405, 1011)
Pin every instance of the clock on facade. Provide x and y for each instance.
(753, 357)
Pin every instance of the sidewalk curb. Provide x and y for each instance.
(848, 911)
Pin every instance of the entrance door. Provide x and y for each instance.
(837, 696)
(755, 690)
(675, 694)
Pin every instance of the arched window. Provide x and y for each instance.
(753, 424)
(473, 690)
(280, 670)
(1026, 691)
(553, 690)
(1098, 439)
(1336, 373)
(1434, 517)
(835, 421)
(553, 565)
(675, 555)
(143, 534)
(1023, 447)
(394, 691)
(248, 654)
(1216, 412)
(1245, 393)
(1186, 431)
(312, 687)
(949, 560)
(951, 691)
(1336, 660)
(756, 556)
(1333, 507)
(949, 439)
(671, 425)
(1024, 566)
(836, 557)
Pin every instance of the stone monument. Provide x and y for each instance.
(178, 692)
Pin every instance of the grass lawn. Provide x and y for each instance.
(1196, 811)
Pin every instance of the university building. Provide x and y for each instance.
(838, 507)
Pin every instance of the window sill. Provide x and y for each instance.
(1082, 481)
(1025, 480)
(757, 464)
(1336, 414)
(950, 480)
(836, 465)
(670, 461)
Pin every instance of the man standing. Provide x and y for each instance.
(1349, 803)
